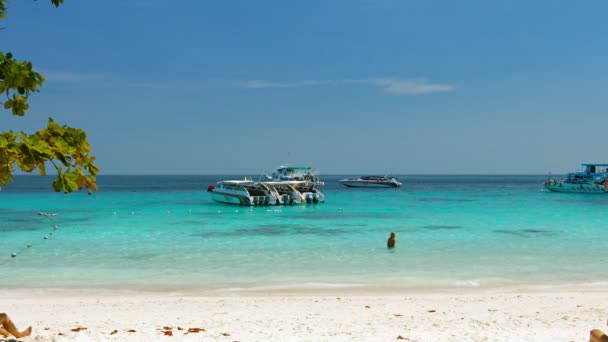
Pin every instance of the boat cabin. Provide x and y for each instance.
(379, 178)
(592, 173)
(298, 173)
(234, 184)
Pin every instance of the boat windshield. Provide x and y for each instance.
(373, 177)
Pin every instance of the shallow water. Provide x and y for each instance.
(165, 233)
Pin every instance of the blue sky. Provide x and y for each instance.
(403, 87)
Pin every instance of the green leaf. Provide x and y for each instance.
(58, 145)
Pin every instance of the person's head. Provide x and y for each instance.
(393, 235)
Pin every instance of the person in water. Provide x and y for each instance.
(7, 328)
(391, 241)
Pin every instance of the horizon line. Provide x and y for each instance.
(326, 174)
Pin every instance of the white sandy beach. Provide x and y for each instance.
(564, 315)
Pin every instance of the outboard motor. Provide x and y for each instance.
(210, 188)
(308, 198)
(315, 198)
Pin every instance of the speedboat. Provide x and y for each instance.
(243, 192)
(296, 173)
(593, 180)
(310, 194)
(371, 182)
(294, 192)
(285, 192)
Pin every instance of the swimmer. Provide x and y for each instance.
(391, 241)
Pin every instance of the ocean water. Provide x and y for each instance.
(165, 233)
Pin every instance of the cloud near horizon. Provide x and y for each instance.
(106, 80)
(68, 76)
(390, 85)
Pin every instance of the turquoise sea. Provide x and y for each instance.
(165, 233)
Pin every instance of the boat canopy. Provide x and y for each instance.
(240, 182)
(288, 182)
(293, 168)
(589, 167)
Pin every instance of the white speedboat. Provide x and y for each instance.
(285, 192)
(371, 182)
(310, 194)
(294, 192)
(245, 192)
(296, 173)
(593, 180)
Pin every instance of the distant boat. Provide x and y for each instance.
(371, 182)
(594, 180)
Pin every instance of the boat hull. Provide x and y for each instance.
(362, 184)
(230, 198)
(584, 188)
(264, 193)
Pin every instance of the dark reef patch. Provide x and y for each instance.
(140, 256)
(71, 211)
(349, 215)
(22, 227)
(192, 222)
(73, 220)
(275, 230)
(445, 199)
(317, 231)
(441, 227)
(350, 224)
(527, 233)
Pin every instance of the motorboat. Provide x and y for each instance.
(593, 180)
(243, 192)
(310, 194)
(371, 182)
(296, 173)
(285, 192)
(294, 192)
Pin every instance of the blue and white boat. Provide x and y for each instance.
(371, 182)
(243, 192)
(593, 180)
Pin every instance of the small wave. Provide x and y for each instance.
(468, 283)
(589, 285)
(302, 286)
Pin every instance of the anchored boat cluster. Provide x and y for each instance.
(295, 185)
(288, 186)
